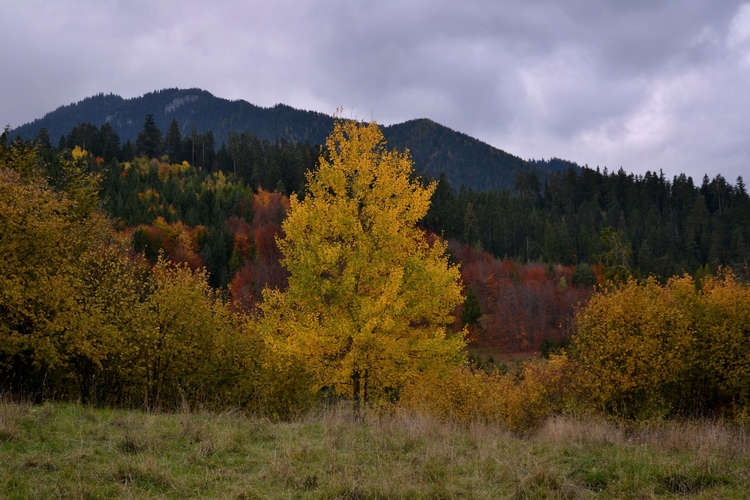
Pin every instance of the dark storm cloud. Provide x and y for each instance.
(639, 84)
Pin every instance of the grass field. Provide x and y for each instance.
(73, 451)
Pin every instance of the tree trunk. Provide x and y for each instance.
(364, 390)
(355, 386)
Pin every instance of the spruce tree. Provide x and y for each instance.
(173, 143)
(149, 139)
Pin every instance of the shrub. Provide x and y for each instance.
(518, 400)
(648, 350)
(719, 374)
(630, 344)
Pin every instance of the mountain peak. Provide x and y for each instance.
(435, 148)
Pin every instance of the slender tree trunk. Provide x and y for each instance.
(364, 390)
(528, 251)
(356, 389)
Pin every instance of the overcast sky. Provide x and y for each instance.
(642, 84)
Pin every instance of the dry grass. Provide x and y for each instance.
(69, 451)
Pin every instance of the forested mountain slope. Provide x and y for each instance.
(435, 148)
(191, 108)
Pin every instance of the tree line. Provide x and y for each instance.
(669, 225)
(666, 227)
(89, 312)
(580, 224)
(271, 165)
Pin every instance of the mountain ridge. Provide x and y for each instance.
(435, 148)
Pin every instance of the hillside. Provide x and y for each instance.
(435, 148)
(191, 108)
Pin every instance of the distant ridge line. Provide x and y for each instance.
(435, 148)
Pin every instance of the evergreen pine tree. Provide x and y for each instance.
(472, 310)
(442, 214)
(128, 151)
(149, 139)
(173, 142)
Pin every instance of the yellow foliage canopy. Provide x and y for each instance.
(647, 350)
(631, 343)
(58, 261)
(369, 297)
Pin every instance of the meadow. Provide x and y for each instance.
(75, 451)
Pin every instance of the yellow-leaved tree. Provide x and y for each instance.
(369, 296)
(65, 296)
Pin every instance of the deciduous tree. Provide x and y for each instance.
(369, 296)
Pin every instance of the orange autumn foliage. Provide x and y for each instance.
(255, 244)
(523, 304)
(178, 242)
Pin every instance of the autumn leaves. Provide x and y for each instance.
(648, 350)
(364, 314)
(369, 299)
(365, 310)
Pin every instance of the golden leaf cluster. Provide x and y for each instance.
(648, 350)
(369, 298)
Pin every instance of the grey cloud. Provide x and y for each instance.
(642, 84)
